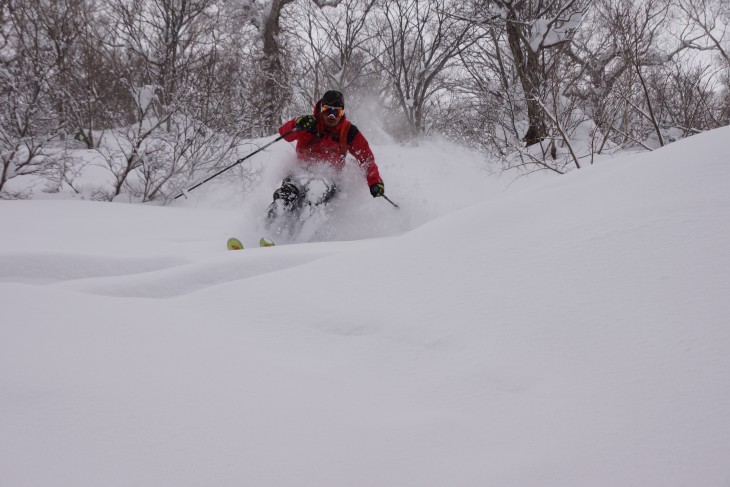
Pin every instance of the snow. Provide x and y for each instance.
(546, 34)
(568, 331)
(144, 96)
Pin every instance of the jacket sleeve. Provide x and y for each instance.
(287, 127)
(361, 150)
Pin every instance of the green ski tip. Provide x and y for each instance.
(234, 244)
(266, 242)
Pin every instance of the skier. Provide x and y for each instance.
(323, 139)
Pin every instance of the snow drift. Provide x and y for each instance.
(570, 332)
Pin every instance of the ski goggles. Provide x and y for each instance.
(333, 112)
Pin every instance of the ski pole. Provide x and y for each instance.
(182, 193)
(388, 200)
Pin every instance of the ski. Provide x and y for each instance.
(235, 244)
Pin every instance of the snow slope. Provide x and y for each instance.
(572, 332)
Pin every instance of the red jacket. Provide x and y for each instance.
(331, 145)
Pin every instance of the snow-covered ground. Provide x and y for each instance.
(572, 331)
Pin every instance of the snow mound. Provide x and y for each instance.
(562, 333)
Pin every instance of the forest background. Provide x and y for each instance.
(165, 92)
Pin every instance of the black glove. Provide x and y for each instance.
(377, 189)
(306, 123)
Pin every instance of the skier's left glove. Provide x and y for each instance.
(377, 189)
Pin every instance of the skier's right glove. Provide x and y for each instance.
(377, 189)
(306, 123)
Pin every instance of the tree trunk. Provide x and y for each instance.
(273, 94)
(528, 70)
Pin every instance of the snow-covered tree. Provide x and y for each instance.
(332, 48)
(28, 120)
(418, 42)
(532, 36)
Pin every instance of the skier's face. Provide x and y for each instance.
(331, 115)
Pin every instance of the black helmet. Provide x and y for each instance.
(333, 98)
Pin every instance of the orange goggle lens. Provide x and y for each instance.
(334, 112)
